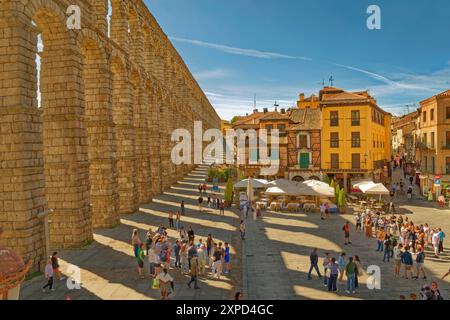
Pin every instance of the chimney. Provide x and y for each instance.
(302, 97)
(265, 110)
(283, 110)
(255, 110)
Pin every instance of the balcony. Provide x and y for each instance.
(425, 146)
(446, 146)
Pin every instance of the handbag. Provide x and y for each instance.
(155, 284)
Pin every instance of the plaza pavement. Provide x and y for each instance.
(109, 268)
(275, 254)
(277, 248)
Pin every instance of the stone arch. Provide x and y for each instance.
(119, 24)
(298, 179)
(65, 156)
(100, 131)
(125, 136)
(140, 118)
(314, 178)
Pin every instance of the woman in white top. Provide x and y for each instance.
(165, 283)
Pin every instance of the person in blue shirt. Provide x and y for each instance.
(407, 262)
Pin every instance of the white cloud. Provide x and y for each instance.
(212, 74)
(239, 51)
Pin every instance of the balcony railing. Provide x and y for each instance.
(425, 146)
(446, 146)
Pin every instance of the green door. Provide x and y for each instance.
(304, 160)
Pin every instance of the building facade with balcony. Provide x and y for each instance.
(356, 136)
(433, 145)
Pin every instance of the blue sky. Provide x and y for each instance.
(277, 49)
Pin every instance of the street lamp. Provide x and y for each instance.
(44, 215)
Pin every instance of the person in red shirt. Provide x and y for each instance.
(346, 229)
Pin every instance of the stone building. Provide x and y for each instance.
(111, 92)
(404, 136)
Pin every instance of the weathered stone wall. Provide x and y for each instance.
(99, 145)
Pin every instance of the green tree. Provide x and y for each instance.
(336, 192)
(327, 180)
(229, 191)
(342, 202)
(332, 183)
(234, 119)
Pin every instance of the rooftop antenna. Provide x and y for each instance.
(276, 104)
(254, 101)
(331, 80)
(322, 83)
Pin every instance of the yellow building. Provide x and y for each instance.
(356, 136)
(433, 148)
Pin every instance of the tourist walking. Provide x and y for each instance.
(350, 271)
(368, 226)
(202, 258)
(387, 248)
(200, 203)
(226, 258)
(209, 245)
(398, 259)
(48, 276)
(342, 262)
(165, 283)
(184, 258)
(135, 241)
(194, 272)
(148, 240)
(178, 220)
(346, 229)
(191, 235)
(140, 260)
(334, 272)
(314, 260)
(242, 229)
(420, 260)
(217, 264)
(222, 208)
(359, 271)
(407, 262)
(171, 225)
(183, 211)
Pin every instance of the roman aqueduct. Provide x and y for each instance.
(97, 142)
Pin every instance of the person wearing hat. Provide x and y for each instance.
(194, 271)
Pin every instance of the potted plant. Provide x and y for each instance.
(342, 202)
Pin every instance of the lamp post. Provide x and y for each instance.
(44, 215)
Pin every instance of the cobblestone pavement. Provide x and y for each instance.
(276, 255)
(108, 266)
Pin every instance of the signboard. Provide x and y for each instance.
(216, 185)
(437, 181)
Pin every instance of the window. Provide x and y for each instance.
(334, 161)
(424, 116)
(303, 141)
(356, 121)
(282, 129)
(269, 128)
(431, 114)
(425, 138)
(447, 112)
(356, 140)
(334, 140)
(447, 139)
(356, 161)
(425, 163)
(447, 165)
(433, 165)
(432, 140)
(334, 118)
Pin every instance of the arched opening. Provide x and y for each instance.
(61, 102)
(101, 136)
(298, 179)
(314, 178)
(125, 137)
(140, 117)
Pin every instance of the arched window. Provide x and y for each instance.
(303, 140)
(298, 179)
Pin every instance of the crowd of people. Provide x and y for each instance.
(188, 255)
